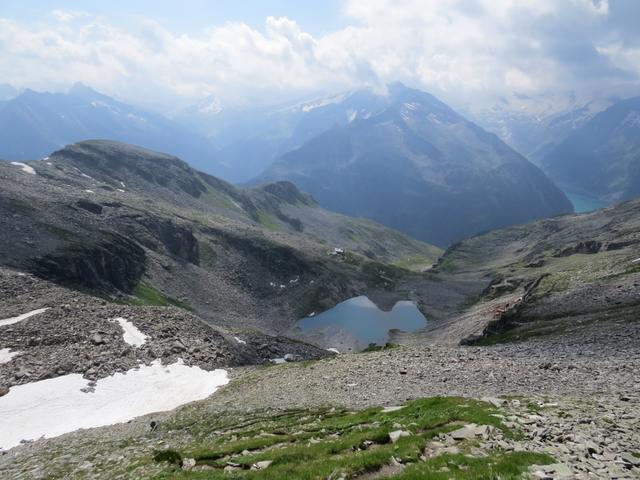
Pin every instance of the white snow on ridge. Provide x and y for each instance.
(55, 406)
(131, 334)
(20, 318)
(6, 355)
(24, 167)
(240, 341)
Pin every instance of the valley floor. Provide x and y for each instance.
(575, 397)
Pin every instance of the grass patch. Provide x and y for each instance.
(415, 263)
(145, 294)
(216, 199)
(268, 221)
(377, 348)
(498, 465)
(207, 254)
(314, 444)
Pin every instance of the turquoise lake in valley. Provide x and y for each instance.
(363, 319)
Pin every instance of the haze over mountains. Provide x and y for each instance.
(431, 163)
(602, 156)
(535, 133)
(251, 138)
(415, 166)
(33, 124)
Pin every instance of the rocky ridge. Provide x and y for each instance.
(119, 218)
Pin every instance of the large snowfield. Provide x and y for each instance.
(55, 406)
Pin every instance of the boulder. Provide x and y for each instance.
(292, 357)
(98, 339)
(261, 465)
(188, 463)
(398, 434)
(465, 433)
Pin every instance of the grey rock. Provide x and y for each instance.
(397, 434)
(261, 465)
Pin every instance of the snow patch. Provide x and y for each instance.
(55, 406)
(6, 355)
(121, 190)
(334, 350)
(20, 318)
(24, 167)
(636, 260)
(323, 102)
(240, 341)
(131, 334)
(90, 191)
(278, 361)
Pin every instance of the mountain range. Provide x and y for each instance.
(125, 220)
(250, 138)
(533, 126)
(33, 124)
(415, 166)
(602, 157)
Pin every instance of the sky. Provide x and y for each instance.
(472, 53)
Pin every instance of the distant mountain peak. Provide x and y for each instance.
(81, 89)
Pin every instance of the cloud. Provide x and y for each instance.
(66, 16)
(470, 52)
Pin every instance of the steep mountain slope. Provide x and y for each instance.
(602, 158)
(421, 168)
(250, 138)
(571, 274)
(535, 133)
(123, 220)
(34, 124)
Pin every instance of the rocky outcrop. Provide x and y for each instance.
(588, 247)
(111, 263)
(89, 206)
(177, 240)
(288, 192)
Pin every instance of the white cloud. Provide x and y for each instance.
(66, 16)
(463, 50)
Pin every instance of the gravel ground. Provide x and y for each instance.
(576, 396)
